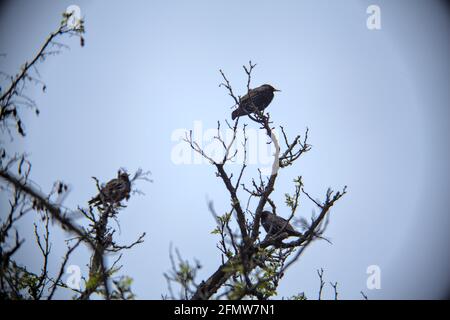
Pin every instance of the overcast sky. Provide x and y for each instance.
(376, 103)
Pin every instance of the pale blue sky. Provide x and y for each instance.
(376, 103)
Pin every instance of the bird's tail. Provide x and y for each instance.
(297, 234)
(235, 114)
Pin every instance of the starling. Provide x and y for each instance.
(114, 191)
(274, 224)
(259, 97)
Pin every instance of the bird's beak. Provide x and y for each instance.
(276, 90)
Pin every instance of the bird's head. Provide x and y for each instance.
(123, 175)
(268, 86)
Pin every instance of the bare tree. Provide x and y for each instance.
(252, 266)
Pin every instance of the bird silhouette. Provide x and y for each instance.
(258, 98)
(114, 191)
(274, 225)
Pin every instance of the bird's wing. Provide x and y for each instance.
(283, 223)
(258, 98)
(112, 184)
(246, 98)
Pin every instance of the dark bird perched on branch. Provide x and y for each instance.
(258, 98)
(275, 225)
(114, 191)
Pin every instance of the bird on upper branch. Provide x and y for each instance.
(258, 98)
(274, 225)
(114, 191)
